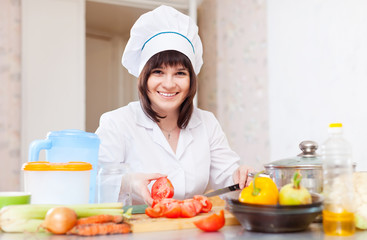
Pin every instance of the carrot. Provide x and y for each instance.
(100, 229)
(103, 218)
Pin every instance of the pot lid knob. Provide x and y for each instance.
(308, 149)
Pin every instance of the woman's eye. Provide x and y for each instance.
(182, 73)
(156, 71)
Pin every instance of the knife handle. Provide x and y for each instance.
(234, 187)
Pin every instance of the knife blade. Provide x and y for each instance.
(223, 190)
(136, 209)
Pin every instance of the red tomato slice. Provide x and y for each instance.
(162, 188)
(196, 204)
(205, 202)
(211, 223)
(165, 201)
(188, 209)
(173, 210)
(155, 201)
(156, 211)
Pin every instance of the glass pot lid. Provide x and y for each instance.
(307, 159)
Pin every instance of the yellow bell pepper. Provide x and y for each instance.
(262, 190)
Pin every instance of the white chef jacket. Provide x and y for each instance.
(203, 158)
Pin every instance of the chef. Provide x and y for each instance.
(163, 134)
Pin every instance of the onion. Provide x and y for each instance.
(59, 220)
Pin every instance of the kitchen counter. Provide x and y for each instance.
(314, 232)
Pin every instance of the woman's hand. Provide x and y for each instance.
(139, 185)
(241, 177)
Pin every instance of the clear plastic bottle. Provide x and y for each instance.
(338, 190)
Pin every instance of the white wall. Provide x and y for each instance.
(317, 55)
(53, 68)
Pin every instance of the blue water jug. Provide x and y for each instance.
(70, 145)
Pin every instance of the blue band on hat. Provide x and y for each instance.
(169, 32)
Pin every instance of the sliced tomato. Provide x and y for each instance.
(165, 201)
(205, 202)
(156, 211)
(162, 188)
(173, 210)
(196, 203)
(211, 223)
(188, 209)
(155, 201)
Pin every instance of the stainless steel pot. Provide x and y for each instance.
(307, 162)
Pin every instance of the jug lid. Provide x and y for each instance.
(47, 166)
(308, 158)
(72, 133)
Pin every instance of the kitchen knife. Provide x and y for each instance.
(136, 209)
(223, 190)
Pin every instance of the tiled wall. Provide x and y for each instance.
(233, 82)
(10, 91)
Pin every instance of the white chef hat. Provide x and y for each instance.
(159, 30)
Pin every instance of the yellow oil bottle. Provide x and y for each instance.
(338, 189)
(338, 224)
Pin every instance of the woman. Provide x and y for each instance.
(164, 134)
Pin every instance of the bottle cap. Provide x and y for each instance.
(336, 125)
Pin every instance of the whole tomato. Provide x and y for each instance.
(162, 188)
(211, 223)
(262, 190)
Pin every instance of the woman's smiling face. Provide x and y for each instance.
(168, 87)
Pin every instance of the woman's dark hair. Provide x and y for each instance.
(167, 58)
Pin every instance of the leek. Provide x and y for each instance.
(22, 225)
(28, 217)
